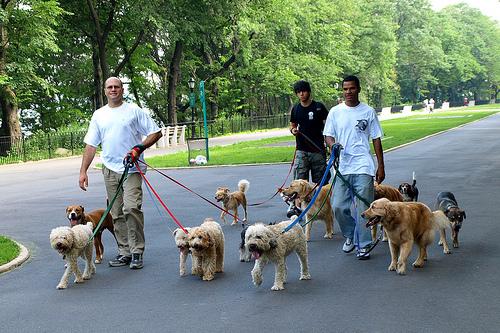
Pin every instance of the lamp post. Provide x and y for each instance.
(191, 83)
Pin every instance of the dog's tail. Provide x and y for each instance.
(414, 179)
(243, 185)
(439, 219)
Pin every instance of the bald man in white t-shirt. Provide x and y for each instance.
(119, 128)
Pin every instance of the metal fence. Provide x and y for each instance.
(51, 145)
(40, 146)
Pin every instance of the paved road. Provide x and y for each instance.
(452, 293)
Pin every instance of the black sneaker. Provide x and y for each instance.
(136, 262)
(119, 261)
(363, 254)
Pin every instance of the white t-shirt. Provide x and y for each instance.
(352, 127)
(117, 130)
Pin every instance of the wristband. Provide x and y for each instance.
(139, 148)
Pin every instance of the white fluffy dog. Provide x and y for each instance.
(72, 243)
(206, 243)
(268, 243)
(182, 242)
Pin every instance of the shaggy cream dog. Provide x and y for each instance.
(206, 243)
(268, 243)
(182, 242)
(72, 243)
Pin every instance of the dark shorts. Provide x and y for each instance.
(306, 162)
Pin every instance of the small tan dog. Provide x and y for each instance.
(206, 243)
(231, 200)
(182, 242)
(268, 243)
(72, 243)
(303, 190)
(76, 215)
(389, 192)
(405, 223)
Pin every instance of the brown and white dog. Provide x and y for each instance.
(231, 200)
(76, 215)
(388, 192)
(322, 208)
(406, 223)
(447, 203)
(409, 192)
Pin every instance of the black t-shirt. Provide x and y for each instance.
(311, 122)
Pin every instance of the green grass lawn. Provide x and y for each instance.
(8, 250)
(280, 149)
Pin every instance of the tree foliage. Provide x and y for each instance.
(55, 56)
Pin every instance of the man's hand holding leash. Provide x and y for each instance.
(133, 155)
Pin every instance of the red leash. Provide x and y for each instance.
(159, 199)
(188, 189)
(281, 187)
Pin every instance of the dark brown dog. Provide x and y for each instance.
(409, 192)
(388, 192)
(447, 203)
(76, 215)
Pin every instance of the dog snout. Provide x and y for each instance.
(252, 247)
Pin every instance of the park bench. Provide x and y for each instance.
(172, 136)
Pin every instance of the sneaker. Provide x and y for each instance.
(348, 245)
(136, 262)
(363, 254)
(120, 260)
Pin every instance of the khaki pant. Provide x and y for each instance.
(128, 218)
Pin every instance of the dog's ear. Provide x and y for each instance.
(463, 213)
(273, 243)
(175, 232)
(83, 209)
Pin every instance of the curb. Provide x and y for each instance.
(24, 255)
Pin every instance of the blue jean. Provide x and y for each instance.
(347, 214)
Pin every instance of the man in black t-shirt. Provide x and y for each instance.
(307, 120)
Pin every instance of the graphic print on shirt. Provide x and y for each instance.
(311, 115)
(362, 125)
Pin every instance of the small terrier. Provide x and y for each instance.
(231, 200)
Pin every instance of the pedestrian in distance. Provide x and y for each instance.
(119, 128)
(431, 105)
(307, 120)
(351, 125)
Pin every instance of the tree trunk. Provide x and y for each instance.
(173, 79)
(98, 81)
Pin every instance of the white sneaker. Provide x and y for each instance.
(348, 245)
(363, 254)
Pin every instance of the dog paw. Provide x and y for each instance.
(277, 287)
(234, 223)
(401, 271)
(446, 251)
(455, 245)
(87, 276)
(97, 261)
(305, 277)
(79, 280)
(440, 243)
(208, 277)
(385, 239)
(182, 273)
(392, 267)
(257, 280)
(328, 236)
(418, 264)
(61, 286)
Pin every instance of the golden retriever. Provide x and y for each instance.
(303, 190)
(405, 223)
(231, 200)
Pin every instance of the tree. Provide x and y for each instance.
(27, 35)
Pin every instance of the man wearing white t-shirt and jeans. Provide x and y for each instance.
(352, 124)
(119, 128)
